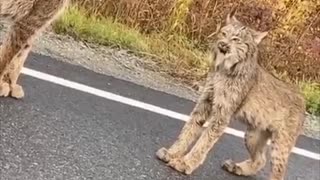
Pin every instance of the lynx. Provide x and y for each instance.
(28, 18)
(238, 88)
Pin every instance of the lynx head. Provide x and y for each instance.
(236, 43)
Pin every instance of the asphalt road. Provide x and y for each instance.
(60, 133)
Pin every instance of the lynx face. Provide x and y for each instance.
(236, 43)
(233, 40)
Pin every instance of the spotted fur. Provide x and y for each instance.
(28, 18)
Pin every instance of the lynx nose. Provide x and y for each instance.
(223, 47)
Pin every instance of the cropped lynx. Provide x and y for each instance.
(238, 88)
(28, 18)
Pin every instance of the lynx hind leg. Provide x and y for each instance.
(17, 63)
(4, 82)
(281, 147)
(190, 131)
(25, 28)
(4, 89)
(17, 92)
(256, 144)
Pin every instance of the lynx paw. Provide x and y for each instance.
(232, 167)
(17, 92)
(4, 90)
(181, 165)
(163, 155)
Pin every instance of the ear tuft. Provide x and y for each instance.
(258, 36)
(231, 16)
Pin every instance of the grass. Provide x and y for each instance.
(311, 92)
(170, 51)
(99, 30)
(293, 26)
(174, 53)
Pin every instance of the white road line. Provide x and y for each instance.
(138, 104)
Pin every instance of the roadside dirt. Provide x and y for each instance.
(124, 65)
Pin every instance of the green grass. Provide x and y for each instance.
(99, 30)
(311, 92)
(174, 53)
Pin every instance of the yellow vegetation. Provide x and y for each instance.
(176, 33)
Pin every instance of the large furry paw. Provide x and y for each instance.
(17, 92)
(181, 165)
(4, 90)
(164, 155)
(232, 167)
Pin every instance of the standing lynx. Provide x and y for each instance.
(28, 18)
(239, 88)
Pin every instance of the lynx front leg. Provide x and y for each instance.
(256, 143)
(190, 131)
(199, 152)
(225, 105)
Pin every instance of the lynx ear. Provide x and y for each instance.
(258, 36)
(231, 16)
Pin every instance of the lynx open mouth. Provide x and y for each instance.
(223, 47)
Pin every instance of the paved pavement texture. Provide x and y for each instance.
(60, 133)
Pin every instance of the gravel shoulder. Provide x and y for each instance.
(124, 65)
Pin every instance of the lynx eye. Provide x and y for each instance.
(224, 34)
(243, 28)
(236, 39)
